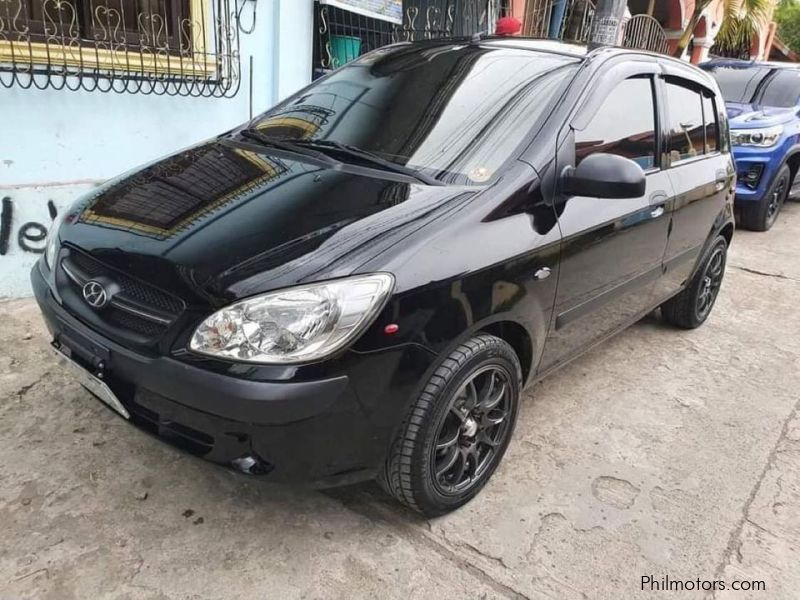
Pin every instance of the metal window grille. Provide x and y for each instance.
(343, 35)
(541, 19)
(173, 47)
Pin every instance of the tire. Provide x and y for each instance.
(690, 308)
(440, 428)
(761, 216)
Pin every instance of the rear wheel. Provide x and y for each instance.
(457, 430)
(761, 216)
(691, 307)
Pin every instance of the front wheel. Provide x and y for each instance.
(690, 308)
(457, 430)
(761, 216)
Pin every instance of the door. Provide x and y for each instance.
(612, 249)
(701, 172)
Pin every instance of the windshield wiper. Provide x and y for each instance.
(288, 146)
(369, 157)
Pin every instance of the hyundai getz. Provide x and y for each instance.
(360, 282)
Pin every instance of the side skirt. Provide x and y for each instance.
(539, 376)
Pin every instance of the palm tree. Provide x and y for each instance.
(741, 21)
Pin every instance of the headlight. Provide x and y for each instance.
(51, 247)
(762, 138)
(294, 325)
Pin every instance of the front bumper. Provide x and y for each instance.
(765, 162)
(327, 431)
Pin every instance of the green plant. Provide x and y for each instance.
(741, 21)
(788, 18)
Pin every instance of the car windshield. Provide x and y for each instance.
(761, 85)
(454, 112)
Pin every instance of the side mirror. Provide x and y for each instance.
(604, 176)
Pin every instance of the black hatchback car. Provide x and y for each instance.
(360, 282)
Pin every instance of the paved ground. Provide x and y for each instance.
(663, 453)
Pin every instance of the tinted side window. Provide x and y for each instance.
(624, 125)
(782, 89)
(687, 137)
(712, 127)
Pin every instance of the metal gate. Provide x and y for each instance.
(343, 35)
(428, 19)
(645, 33)
(558, 19)
(571, 20)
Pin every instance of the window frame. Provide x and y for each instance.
(707, 95)
(701, 91)
(85, 55)
(657, 119)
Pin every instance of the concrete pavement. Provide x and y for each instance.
(660, 453)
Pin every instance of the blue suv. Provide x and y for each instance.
(763, 101)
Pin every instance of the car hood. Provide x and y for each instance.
(219, 222)
(751, 116)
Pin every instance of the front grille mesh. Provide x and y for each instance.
(137, 307)
(131, 288)
(125, 320)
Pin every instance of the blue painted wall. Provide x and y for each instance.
(55, 145)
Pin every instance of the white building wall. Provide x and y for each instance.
(56, 144)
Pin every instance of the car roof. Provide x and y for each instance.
(672, 65)
(536, 44)
(737, 63)
(574, 49)
(577, 51)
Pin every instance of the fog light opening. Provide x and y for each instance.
(752, 176)
(251, 464)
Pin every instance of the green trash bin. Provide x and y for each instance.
(344, 48)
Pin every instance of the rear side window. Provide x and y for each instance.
(761, 85)
(781, 89)
(686, 125)
(624, 125)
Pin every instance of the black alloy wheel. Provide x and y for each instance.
(472, 429)
(693, 305)
(777, 199)
(761, 216)
(457, 429)
(711, 282)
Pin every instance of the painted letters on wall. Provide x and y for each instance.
(25, 216)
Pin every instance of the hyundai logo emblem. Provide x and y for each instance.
(95, 294)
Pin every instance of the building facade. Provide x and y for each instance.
(655, 25)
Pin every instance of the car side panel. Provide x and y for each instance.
(487, 265)
(699, 202)
(612, 249)
(611, 259)
(704, 188)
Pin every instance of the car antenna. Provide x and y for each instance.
(477, 37)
